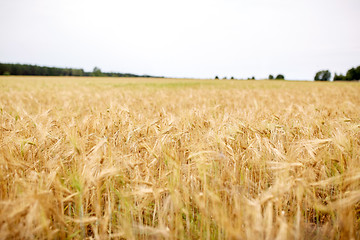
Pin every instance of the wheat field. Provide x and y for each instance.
(121, 158)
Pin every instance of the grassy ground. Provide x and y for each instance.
(178, 159)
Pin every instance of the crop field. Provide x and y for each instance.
(121, 158)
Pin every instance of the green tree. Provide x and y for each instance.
(97, 72)
(77, 72)
(280, 77)
(271, 76)
(216, 77)
(339, 77)
(353, 74)
(323, 75)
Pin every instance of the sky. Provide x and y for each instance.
(184, 38)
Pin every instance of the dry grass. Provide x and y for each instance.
(178, 159)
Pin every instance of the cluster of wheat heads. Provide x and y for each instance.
(99, 158)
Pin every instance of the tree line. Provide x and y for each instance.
(34, 70)
(353, 74)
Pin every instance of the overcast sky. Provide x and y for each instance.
(184, 38)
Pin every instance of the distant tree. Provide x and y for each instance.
(253, 78)
(232, 78)
(323, 75)
(77, 72)
(224, 78)
(353, 74)
(357, 73)
(280, 77)
(339, 77)
(97, 72)
(216, 77)
(271, 76)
